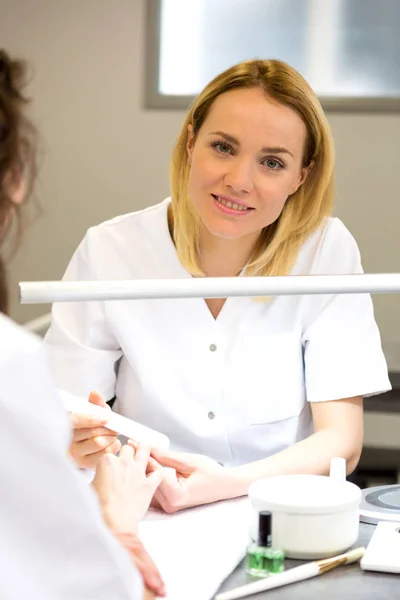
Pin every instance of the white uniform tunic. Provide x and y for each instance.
(53, 542)
(236, 388)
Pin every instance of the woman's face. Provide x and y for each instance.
(245, 162)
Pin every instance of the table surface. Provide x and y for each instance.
(344, 582)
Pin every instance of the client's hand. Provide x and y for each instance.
(145, 565)
(125, 491)
(91, 441)
(123, 487)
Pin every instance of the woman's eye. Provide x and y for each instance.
(272, 163)
(223, 148)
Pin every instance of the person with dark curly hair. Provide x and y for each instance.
(58, 540)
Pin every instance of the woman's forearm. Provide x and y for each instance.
(312, 455)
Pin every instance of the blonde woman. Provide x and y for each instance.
(244, 388)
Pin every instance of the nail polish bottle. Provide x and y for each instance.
(262, 559)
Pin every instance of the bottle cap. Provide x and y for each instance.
(265, 528)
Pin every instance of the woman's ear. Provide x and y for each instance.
(305, 171)
(190, 142)
(14, 185)
(18, 191)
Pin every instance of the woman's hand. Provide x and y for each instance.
(198, 480)
(124, 488)
(91, 440)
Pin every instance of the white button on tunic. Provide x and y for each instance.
(255, 368)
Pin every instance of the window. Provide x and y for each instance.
(348, 50)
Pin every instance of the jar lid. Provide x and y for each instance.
(303, 494)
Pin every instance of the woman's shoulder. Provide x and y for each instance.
(21, 358)
(144, 220)
(126, 237)
(330, 249)
(15, 341)
(333, 230)
(121, 245)
(27, 390)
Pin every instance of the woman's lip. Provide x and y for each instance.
(230, 211)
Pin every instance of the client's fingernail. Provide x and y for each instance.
(102, 441)
(156, 582)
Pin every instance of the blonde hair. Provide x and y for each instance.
(304, 212)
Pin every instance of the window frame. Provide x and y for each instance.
(155, 100)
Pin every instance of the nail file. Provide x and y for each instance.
(383, 551)
(116, 422)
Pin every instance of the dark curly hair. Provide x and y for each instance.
(18, 159)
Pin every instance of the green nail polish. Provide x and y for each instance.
(262, 559)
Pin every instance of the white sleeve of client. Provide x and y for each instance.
(236, 388)
(74, 556)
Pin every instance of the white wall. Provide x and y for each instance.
(105, 154)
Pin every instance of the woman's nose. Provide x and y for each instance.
(239, 176)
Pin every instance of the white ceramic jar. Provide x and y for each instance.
(313, 516)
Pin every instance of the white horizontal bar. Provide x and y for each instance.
(206, 287)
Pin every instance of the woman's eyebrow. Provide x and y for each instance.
(232, 140)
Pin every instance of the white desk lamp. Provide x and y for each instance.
(378, 503)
